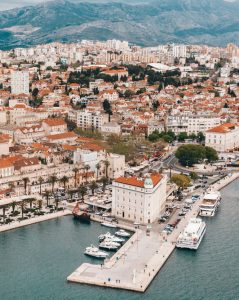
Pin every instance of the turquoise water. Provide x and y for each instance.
(35, 261)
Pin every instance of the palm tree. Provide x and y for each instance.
(56, 203)
(104, 181)
(13, 204)
(86, 168)
(71, 193)
(75, 170)
(39, 202)
(31, 200)
(97, 170)
(23, 207)
(82, 191)
(64, 180)
(93, 186)
(4, 211)
(47, 195)
(106, 162)
(53, 180)
(40, 180)
(25, 182)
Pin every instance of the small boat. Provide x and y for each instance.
(109, 245)
(95, 252)
(111, 225)
(122, 233)
(82, 216)
(111, 237)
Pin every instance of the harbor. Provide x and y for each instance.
(176, 280)
(136, 264)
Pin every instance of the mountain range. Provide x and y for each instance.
(212, 22)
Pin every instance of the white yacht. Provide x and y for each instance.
(106, 224)
(210, 204)
(122, 233)
(192, 235)
(95, 252)
(111, 237)
(109, 245)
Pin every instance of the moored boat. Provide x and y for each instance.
(192, 235)
(106, 224)
(95, 252)
(111, 237)
(82, 216)
(122, 233)
(210, 204)
(109, 245)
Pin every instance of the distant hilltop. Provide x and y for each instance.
(212, 22)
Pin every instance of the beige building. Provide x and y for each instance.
(139, 199)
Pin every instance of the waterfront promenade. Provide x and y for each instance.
(34, 220)
(135, 265)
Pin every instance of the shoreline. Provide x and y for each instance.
(39, 219)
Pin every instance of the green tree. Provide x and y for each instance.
(82, 191)
(104, 181)
(40, 180)
(52, 180)
(86, 168)
(64, 180)
(182, 181)
(93, 187)
(211, 154)
(182, 136)
(97, 170)
(25, 182)
(106, 105)
(107, 164)
(47, 195)
(193, 176)
(200, 137)
(75, 170)
(188, 155)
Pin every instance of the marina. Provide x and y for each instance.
(55, 259)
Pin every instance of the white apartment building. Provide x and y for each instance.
(90, 120)
(192, 123)
(139, 200)
(20, 82)
(223, 138)
(179, 51)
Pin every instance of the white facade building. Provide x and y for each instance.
(223, 138)
(192, 123)
(139, 200)
(90, 120)
(20, 82)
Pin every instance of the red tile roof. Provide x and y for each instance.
(134, 181)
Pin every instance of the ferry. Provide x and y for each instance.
(192, 235)
(210, 204)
